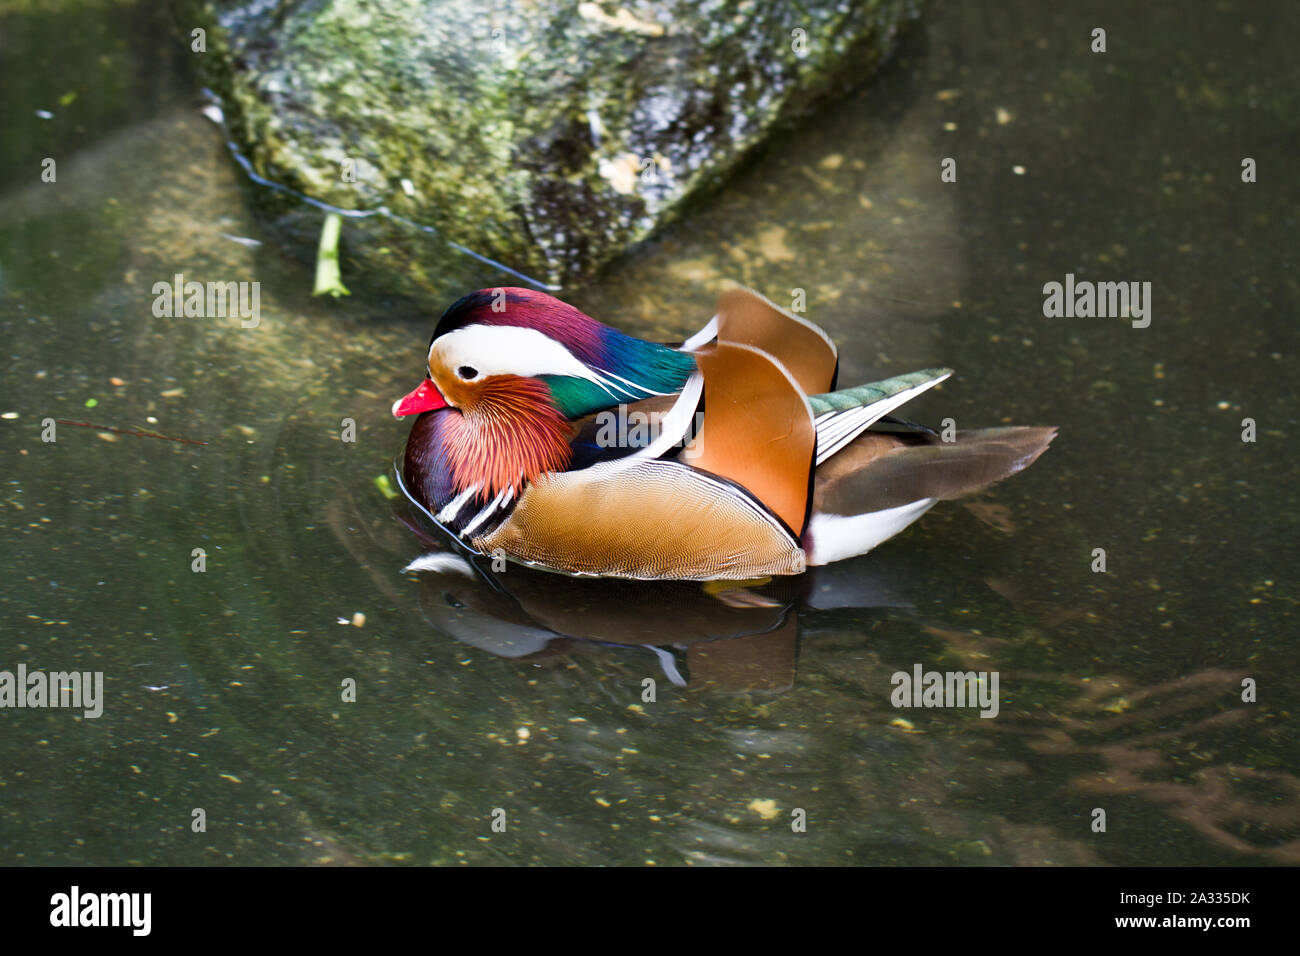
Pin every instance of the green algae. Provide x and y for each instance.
(549, 136)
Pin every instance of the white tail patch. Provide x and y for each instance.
(836, 537)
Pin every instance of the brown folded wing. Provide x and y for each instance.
(645, 519)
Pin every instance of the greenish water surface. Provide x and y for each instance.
(1119, 690)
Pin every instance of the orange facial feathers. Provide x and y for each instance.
(508, 433)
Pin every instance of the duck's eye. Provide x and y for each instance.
(466, 372)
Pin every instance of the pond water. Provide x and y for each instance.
(521, 696)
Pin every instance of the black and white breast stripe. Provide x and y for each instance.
(464, 516)
(467, 517)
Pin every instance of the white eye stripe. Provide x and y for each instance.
(510, 350)
(506, 350)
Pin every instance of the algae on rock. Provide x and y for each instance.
(546, 135)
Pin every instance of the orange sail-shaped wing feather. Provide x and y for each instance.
(758, 429)
(746, 318)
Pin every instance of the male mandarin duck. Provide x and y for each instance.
(747, 462)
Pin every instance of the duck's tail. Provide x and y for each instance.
(879, 483)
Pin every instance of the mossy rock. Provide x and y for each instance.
(546, 135)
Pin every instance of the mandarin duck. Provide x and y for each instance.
(560, 442)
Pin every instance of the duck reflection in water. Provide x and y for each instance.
(730, 636)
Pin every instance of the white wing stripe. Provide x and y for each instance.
(673, 425)
(703, 337)
(842, 428)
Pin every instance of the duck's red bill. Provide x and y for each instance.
(424, 399)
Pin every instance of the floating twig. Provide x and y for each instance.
(128, 431)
